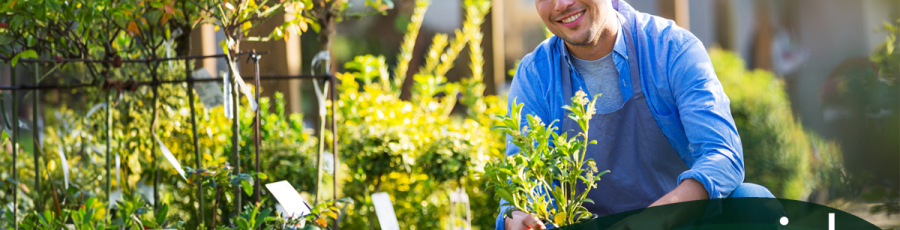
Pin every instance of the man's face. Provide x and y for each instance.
(578, 22)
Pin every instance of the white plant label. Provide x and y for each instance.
(328, 162)
(93, 110)
(226, 96)
(115, 196)
(118, 173)
(384, 209)
(243, 88)
(249, 94)
(170, 157)
(208, 92)
(293, 204)
(65, 165)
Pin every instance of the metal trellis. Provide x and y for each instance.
(252, 55)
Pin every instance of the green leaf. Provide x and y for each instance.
(502, 193)
(161, 215)
(5, 40)
(23, 54)
(247, 187)
(260, 219)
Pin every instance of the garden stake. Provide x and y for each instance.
(34, 134)
(190, 79)
(155, 148)
(235, 138)
(256, 140)
(15, 146)
(108, 145)
(334, 141)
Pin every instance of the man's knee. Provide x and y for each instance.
(751, 190)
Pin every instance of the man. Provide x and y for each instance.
(663, 124)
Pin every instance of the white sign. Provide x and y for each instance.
(168, 154)
(384, 209)
(65, 165)
(290, 200)
(208, 92)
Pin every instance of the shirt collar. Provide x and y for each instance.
(619, 48)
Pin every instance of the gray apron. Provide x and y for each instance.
(643, 165)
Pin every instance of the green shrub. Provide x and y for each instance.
(779, 153)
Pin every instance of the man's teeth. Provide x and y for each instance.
(572, 19)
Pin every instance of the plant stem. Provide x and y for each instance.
(215, 207)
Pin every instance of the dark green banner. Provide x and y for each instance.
(731, 213)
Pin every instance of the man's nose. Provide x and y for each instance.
(562, 5)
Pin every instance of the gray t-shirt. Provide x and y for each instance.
(601, 76)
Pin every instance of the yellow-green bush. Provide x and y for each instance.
(779, 153)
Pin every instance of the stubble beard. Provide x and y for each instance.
(594, 36)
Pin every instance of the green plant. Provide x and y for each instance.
(48, 220)
(418, 150)
(252, 218)
(542, 178)
(221, 178)
(89, 215)
(779, 153)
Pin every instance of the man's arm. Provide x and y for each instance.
(688, 190)
(525, 89)
(705, 113)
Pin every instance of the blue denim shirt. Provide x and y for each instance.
(682, 90)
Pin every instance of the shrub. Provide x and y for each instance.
(779, 153)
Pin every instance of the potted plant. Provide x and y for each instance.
(542, 178)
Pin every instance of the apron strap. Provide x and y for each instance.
(632, 57)
(566, 79)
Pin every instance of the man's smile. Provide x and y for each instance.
(572, 19)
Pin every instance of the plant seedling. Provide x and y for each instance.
(542, 178)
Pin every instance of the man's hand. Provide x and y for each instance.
(523, 221)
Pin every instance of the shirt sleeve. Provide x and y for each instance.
(525, 89)
(705, 113)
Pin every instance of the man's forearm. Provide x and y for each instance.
(688, 190)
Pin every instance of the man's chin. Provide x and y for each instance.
(577, 40)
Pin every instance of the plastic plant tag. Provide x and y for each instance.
(170, 157)
(208, 92)
(384, 209)
(118, 172)
(280, 209)
(327, 162)
(115, 196)
(92, 111)
(65, 165)
(293, 204)
(226, 95)
(459, 196)
(249, 94)
(244, 88)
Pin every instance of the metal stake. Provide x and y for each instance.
(37, 151)
(334, 141)
(197, 161)
(256, 141)
(15, 146)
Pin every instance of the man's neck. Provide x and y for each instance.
(604, 43)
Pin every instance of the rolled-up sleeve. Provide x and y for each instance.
(705, 113)
(525, 89)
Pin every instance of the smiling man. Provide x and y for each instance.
(663, 124)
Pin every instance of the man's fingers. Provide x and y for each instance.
(534, 223)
